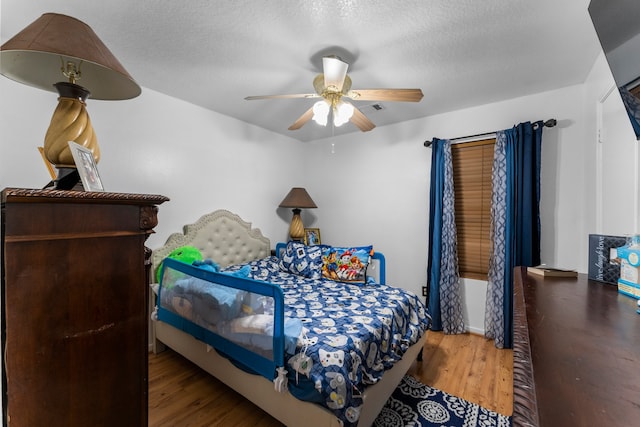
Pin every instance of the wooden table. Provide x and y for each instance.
(576, 353)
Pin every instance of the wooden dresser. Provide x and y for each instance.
(576, 355)
(74, 307)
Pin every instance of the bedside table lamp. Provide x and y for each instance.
(298, 198)
(55, 48)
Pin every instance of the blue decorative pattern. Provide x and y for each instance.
(494, 315)
(352, 332)
(450, 301)
(302, 259)
(418, 405)
(632, 105)
(515, 223)
(442, 267)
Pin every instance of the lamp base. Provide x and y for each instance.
(296, 229)
(67, 179)
(70, 122)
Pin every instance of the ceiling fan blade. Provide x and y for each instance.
(304, 118)
(402, 95)
(296, 95)
(334, 71)
(360, 120)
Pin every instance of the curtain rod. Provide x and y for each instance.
(549, 123)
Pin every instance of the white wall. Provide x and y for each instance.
(372, 189)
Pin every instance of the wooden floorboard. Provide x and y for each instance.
(467, 365)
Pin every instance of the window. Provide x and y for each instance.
(472, 166)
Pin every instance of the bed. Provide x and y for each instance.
(263, 333)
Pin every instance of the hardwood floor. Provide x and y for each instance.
(468, 366)
(183, 395)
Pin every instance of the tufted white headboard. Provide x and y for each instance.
(221, 236)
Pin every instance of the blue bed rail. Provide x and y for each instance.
(264, 366)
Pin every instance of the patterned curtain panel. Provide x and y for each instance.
(493, 314)
(445, 303)
(515, 222)
(632, 105)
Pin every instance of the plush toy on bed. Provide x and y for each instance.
(210, 265)
(186, 254)
(192, 255)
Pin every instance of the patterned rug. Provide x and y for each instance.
(418, 405)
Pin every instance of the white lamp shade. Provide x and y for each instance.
(342, 113)
(334, 72)
(321, 112)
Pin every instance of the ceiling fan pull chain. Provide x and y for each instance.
(333, 137)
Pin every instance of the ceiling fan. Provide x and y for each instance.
(332, 86)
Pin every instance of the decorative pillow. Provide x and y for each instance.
(346, 264)
(302, 260)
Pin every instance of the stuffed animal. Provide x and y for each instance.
(186, 254)
(206, 264)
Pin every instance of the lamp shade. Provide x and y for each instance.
(36, 54)
(298, 198)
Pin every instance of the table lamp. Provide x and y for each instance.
(54, 53)
(298, 198)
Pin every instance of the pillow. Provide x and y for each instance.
(346, 264)
(302, 260)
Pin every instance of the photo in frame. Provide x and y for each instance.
(86, 166)
(312, 236)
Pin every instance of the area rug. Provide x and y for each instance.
(418, 405)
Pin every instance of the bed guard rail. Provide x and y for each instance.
(230, 300)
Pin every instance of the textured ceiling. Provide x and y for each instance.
(214, 53)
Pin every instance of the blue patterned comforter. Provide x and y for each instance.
(351, 333)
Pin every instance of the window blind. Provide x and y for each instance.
(472, 167)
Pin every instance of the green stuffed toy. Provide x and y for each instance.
(186, 254)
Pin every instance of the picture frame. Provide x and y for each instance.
(312, 236)
(86, 166)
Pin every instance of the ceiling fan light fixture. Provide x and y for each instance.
(335, 71)
(342, 113)
(332, 85)
(321, 112)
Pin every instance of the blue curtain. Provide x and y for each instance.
(515, 222)
(444, 302)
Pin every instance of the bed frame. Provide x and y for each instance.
(227, 239)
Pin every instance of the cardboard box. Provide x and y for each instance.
(629, 289)
(601, 268)
(630, 254)
(629, 273)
